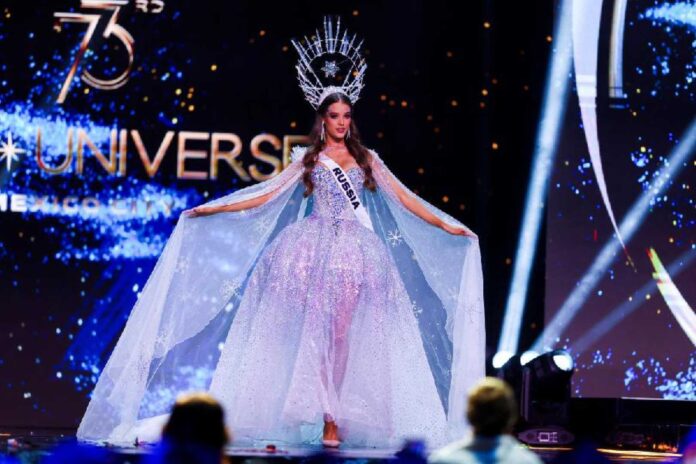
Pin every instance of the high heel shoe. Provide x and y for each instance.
(330, 426)
(331, 443)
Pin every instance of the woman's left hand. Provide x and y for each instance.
(458, 231)
(192, 213)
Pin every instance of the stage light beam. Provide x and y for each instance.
(630, 224)
(553, 109)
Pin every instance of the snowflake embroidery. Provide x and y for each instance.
(230, 288)
(261, 226)
(162, 339)
(415, 308)
(394, 237)
(186, 296)
(183, 265)
(330, 69)
(453, 293)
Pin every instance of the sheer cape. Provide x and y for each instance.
(173, 338)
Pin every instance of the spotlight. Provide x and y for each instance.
(541, 383)
(546, 388)
(563, 361)
(545, 402)
(528, 356)
(500, 358)
(511, 373)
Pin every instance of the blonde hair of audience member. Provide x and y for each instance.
(492, 409)
(492, 413)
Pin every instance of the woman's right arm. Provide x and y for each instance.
(288, 174)
(242, 205)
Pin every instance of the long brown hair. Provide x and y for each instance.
(353, 144)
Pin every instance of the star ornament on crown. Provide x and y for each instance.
(335, 55)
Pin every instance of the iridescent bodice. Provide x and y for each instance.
(329, 200)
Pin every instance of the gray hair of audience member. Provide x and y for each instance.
(492, 409)
(197, 418)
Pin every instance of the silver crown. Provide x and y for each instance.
(333, 44)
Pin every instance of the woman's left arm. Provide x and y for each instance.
(421, 211)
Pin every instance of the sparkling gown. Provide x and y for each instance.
(294, 312)
(358, 357)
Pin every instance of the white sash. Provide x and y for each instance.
(349, 191)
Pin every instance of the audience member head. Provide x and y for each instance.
(195, 432)
(198, 418)
(492, 409)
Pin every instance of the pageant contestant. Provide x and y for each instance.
(329, 303)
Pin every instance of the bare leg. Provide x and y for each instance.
(341, 329)
(339, 348)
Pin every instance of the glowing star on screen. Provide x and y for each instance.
(9, 151)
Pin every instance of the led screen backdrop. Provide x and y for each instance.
(117, 115)
(627, 314)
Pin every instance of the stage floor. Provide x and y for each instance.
(30, 445)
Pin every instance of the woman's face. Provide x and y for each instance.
(337, 120)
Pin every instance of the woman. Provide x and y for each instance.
(329, 300)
